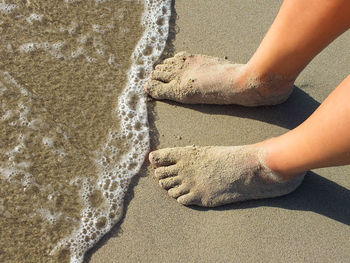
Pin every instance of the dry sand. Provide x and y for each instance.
(309, 225)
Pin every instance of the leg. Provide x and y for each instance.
(300, 31)
(323, 140)
(212, 176)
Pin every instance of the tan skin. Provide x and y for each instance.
(305, 147)
(300, 31)
(312, 25)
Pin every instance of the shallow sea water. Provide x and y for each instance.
(73, 120)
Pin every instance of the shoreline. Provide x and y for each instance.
(309, 225)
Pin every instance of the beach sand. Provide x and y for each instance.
(309, 225)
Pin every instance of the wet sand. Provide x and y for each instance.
(62, 68)
(309, 225)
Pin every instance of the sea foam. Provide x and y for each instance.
(114, 178)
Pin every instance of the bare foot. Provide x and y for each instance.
(213, 176)
(196, 79)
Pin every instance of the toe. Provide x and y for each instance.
(170, 61)
(166, 171)
(188, 199)
(177, 60)
(163, 73)
(165, 157)
(178, 191)
(170, 182)
(160, 90)
(183, 55)
(164, 67)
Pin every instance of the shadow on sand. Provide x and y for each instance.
(289, 114)
(316, 194)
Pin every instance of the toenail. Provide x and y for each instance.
(153, 157)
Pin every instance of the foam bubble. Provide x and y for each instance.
(34, 17)
(90, 59)
(98, 29)
(52, 218)
(132, 111)
(47, 142)
(71, 1)
(7, 115)
(7, 173)
(78, 52)
(58, 45)
(7, 8)
(101, 1)
(28, 47)
(17, 170)
(54, 48)
(9, 47)
(83, 39)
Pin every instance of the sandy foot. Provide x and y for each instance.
(213, 176)
(195, 79)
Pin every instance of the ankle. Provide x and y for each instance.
(271, 157)
(268, 82)
(269, 69)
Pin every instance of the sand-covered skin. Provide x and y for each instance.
(309, 225)
(197, 79)
(214, 176)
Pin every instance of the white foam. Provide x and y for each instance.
(13, 167)
(70, 29)
(98, 29)
(7, 173)
(9, 47)
(76, 53)
(71, 1)
(7, 115)
(34, 17)
(114, 180)
(28, 47)
(111, 59)
(7, 8)
(47, 141)
(50, 217)
(83, 39)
